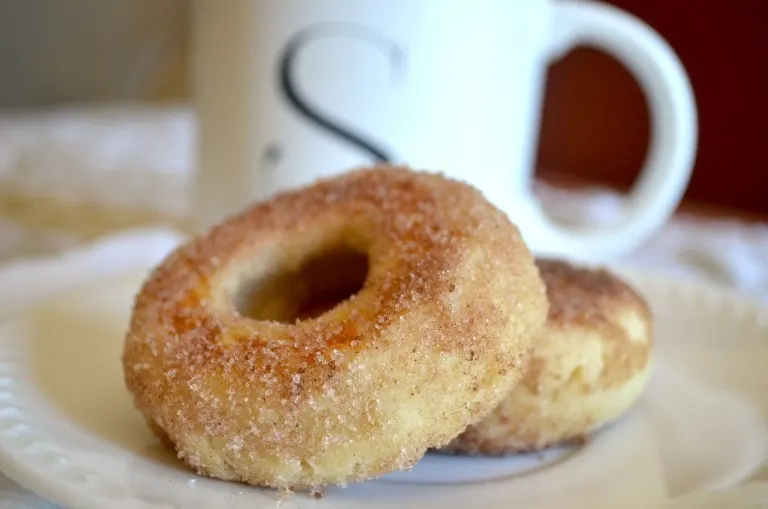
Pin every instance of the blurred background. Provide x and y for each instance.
(58, 55)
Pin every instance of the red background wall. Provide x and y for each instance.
(595, 124)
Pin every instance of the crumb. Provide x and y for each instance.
(283, 495)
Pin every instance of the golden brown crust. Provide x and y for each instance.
(437, 335)
(589, 366)
(584, 296)
(594, 299)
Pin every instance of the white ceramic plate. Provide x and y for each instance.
(752, 495)
(68, 430)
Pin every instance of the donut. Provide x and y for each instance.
(588, 367)
(336, 332)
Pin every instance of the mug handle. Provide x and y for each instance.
(667, 169)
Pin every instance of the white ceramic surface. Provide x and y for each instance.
(746, 496)
(68, 431)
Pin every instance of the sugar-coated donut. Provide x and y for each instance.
(334, 333)
(590, 365)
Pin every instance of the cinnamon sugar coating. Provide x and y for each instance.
(225, 367)
(590, 365)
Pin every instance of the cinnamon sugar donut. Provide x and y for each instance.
(589, 366)
(336, 332)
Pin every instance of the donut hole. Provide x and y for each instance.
(319, 284)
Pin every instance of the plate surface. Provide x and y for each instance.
(68, 430)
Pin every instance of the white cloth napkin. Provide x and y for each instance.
(120, 155)
(729, 252)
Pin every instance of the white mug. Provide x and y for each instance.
(287, 91)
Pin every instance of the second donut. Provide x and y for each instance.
(589, 366)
